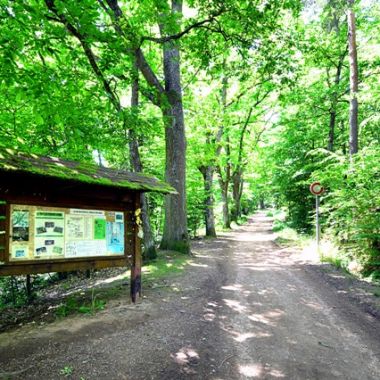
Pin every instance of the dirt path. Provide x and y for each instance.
(245, 309)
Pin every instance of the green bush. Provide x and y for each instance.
(352, 205)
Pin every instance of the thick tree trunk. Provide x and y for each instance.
(208, 173)
(334, 103)
(175, 234)
(224, 180)
(226, 210)
(149, 252)
(237, 191)
(353, 59)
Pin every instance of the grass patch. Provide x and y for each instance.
(76, 304)
(289, 237)
(168, 263)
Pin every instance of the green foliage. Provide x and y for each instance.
(12, 291)
(74, 304)
(352, 205)
(66, 371)
(264, 93)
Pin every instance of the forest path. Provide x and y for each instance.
(245, 309)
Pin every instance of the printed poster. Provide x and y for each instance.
(79, 228)
(49, 233)
(20, 225)
(20, 252)
(86, 248)
(20, 235)
(115, 237)
(99, 229)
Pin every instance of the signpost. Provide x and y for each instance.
(317, 189)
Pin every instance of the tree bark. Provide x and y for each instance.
(225, 173)
(175, 234)
(149, 252)
(237, 175)
(353, 60)
(334, 100)
(226, 211)
(237, 191)
(208, 173)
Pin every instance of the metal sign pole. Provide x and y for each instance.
(317, 230)
(317, 189)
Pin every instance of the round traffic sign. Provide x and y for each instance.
(316, 188)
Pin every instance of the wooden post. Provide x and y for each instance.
(136, 254)
(3, 230)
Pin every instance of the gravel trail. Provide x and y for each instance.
(244, 309)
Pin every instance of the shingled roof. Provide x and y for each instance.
(19, 162)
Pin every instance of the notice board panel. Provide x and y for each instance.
(49, 233)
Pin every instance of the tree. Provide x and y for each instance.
(353, 59)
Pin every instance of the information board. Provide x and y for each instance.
(58, 233)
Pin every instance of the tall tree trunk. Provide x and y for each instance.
(225, 172)
(226, 211)
(149, 252)
(337, 79)
(237, 191)
(353, 59)
(237, 175)
(175, 234)
(208, 173)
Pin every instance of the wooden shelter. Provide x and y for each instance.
(59, 215)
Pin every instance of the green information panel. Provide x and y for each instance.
(59, 233)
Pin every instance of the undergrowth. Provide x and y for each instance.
(342, 257)
(90, 301)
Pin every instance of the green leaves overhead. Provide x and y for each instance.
(265, 89)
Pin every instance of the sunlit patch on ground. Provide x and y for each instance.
(186, 357)
(269, 318)
(313, 305)
(243, 337)
(232, 287)
(251, 370)
(198, 265)
(235, 305)
(111, 279)
(259, 371)
(209, 317)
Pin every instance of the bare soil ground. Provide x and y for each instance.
(245, 308)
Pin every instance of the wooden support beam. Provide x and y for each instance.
(136, 256)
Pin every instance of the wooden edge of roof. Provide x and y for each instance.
(12, 160)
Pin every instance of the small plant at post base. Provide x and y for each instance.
(66, 371)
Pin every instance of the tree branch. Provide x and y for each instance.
(177, 36)
(88, 52)
(141, 62)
